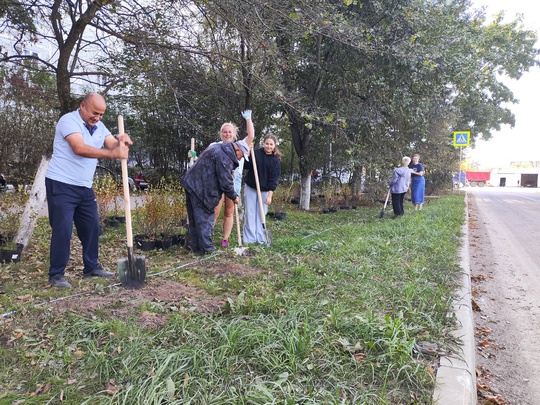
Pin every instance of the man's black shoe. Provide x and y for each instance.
(99, 272)
(59, 281)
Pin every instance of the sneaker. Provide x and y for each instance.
(59, 281)
(99, 272)
(225, 243)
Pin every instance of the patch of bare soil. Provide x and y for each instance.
(164, 294)
(505, 358)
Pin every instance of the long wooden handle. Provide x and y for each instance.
(387, 197)
(191, 159)
(238, 225)
(125, 184)
(259, 197)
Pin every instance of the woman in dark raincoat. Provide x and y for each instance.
(204, 183)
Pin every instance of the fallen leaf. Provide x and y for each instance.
(496, 400)
(170, 387)
(359, 356)
(111, 388)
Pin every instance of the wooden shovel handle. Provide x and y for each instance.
(192, 159)
(387, 197)
(258, 185)
(238, 225)
(125, 185)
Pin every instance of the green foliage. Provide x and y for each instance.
(25, 125)
(106, 191)
(11, 209)
(163, 212)
(347, 86)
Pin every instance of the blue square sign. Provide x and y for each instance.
(462, 138)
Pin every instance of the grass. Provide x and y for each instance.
(330, 314)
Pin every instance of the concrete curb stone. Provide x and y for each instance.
(456, 376)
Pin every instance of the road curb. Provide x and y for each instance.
(456, 376)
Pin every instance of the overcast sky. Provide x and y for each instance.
(523, 141)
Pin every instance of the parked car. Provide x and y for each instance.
(4, 186)
(141, 183)
(103, 171)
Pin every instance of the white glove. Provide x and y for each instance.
(246, 114)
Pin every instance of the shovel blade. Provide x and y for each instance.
(240, 251)
(268, 236)
(132, 272)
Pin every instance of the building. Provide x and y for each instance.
(515, 177)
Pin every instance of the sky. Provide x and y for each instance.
(521, 143)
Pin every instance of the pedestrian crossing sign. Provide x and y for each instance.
(462, 138)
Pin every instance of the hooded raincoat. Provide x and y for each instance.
(204, 183)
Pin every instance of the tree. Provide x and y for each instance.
(68, 23)
(350, 85)
(27, 100)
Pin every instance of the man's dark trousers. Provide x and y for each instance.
(397, 203)
(201, 225)
(70, 204)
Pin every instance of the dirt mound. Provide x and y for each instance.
(161, 295)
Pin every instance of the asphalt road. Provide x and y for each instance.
(504, 225)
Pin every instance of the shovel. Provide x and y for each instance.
(239, 250)
(132, 271)
(385, 203)
(259, 197)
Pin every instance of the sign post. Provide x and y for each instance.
(461, 140)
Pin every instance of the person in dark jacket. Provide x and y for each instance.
(229, 133)
(399, 185)
(269, 169)
(204, 183)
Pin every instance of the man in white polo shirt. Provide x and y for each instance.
(80, 140)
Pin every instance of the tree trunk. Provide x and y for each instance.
(34, 205)
(357, 178)
(305, 191)
(301, 136)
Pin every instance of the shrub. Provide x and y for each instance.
(11, 209)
